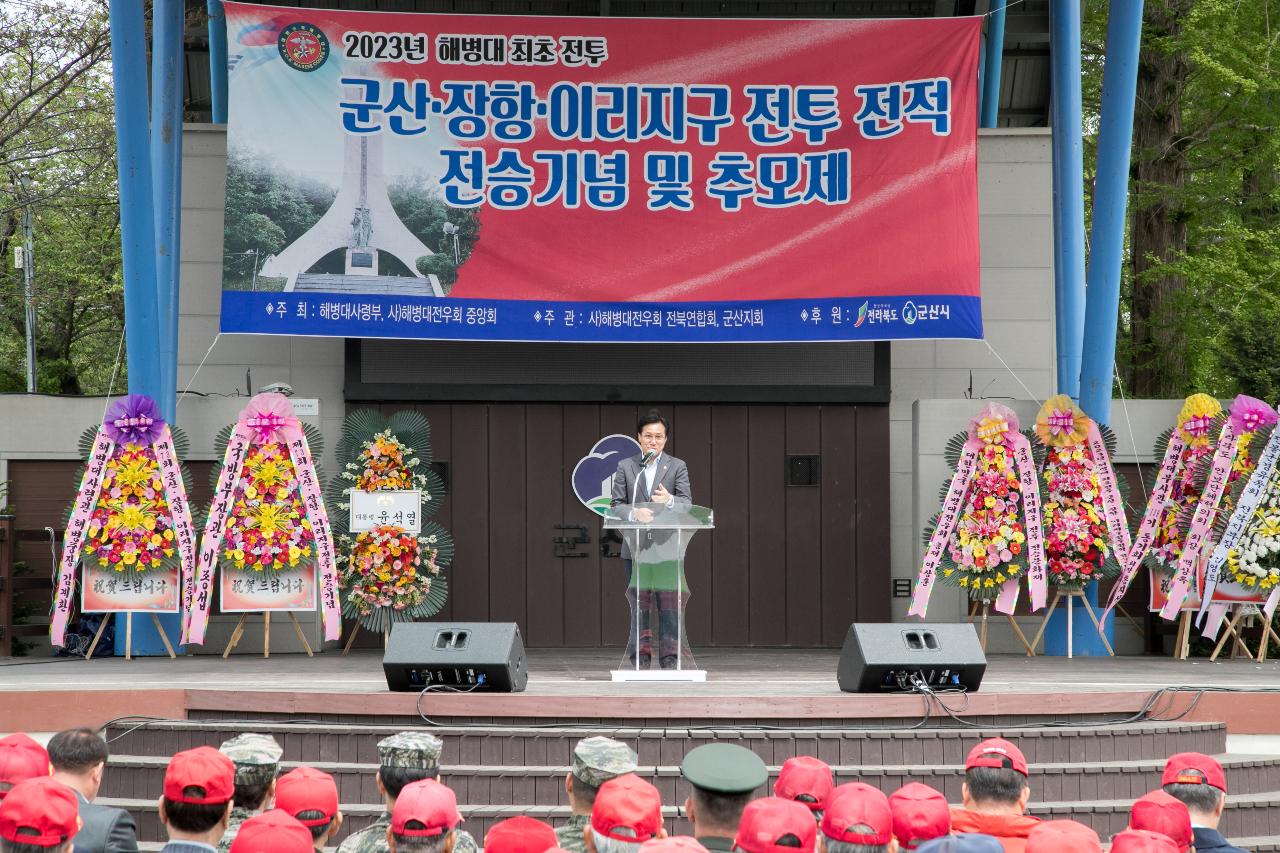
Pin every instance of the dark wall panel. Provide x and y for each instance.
(803, 533)
(839, 498)
(729, 497)
(871, 520)
(767, 526)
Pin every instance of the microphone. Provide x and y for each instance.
(647, 457)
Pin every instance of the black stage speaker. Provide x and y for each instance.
(884, 658)
(467, 656)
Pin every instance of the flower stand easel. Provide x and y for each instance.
(980, 611)
(238, 633)
(1233, 629)
(128, 635)
(1069, 596)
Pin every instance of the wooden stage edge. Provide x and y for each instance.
(1243, 712)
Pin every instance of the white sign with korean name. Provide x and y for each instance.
(399, 507)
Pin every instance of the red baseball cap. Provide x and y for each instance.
(672, 844)
(307, 789)
(1063, 836)
(41, 812)
(768, 819)
(21, 758)
(998, 753)
(919, 814)
(202, 767)
(275, 831)
(805, 776)
(1142, 841)
(428, 802)
(627, 802)
(1194, 768)
(520, 835)
(859, 814)
(1164, 814)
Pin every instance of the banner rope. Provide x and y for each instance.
(1016, 377)
(1128, 422)
(207, 352)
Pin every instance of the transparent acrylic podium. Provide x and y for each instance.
(657, 590)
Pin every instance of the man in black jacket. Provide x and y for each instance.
(79, 758)
(1198, 781)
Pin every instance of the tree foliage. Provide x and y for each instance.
(1199, 293)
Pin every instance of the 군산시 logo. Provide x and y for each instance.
(593, 475)
(303, 47)
(909, 313)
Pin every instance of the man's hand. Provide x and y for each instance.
(644, 515)
(661, 495)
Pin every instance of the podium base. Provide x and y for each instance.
(659, 675)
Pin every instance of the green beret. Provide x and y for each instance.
(596, 760)
(724, 768)
(256, 757)
(414, 750)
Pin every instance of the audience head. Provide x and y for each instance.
(596, 760)
(21, 758)
(776, 825)
(1159, 812)
(627, 812)
(1142, 841)
(39, 816)
(1198, 781)
(858, 814)
(995, 778)
(1063, 836)
(968, 843)
(520, 835)
(407, 757)
(79, 755)
(724, 776)
(310, 796)
(257, 760)
(806, 780)
(198, 788)
(424, 818)
(919, 814)
(272, 832)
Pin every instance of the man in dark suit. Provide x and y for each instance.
(1199, 782)
(199, 785)
(641, 482)
(79, 758)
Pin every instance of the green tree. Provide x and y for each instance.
(418, 203)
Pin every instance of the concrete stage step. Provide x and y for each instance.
(138, 777)
(552, 745)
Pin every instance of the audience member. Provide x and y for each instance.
(311, 797)
(21, 758)
(857, 819)
(806, 780)
(776, 825)
(596, 760)
(199, 785)
(627, 812)
(272, 832)
(38, 816)
(995, 794)
(1063, 836)
(1198, 781)
(404, 758)
(723, 776)
(1159, 812)
(424, 818)
(971, 843)
(520, 835)
(79, 759)
(1142, 841)
(920, 814)
(257, 760)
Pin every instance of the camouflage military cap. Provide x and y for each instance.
(256, 757)
(418, 750)
(596, 760)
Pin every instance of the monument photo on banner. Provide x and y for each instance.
(500, 177)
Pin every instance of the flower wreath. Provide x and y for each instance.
(988, 532)
(388, 574)
(1173, 498)
(268, 513)
(1084, 518)
(131, 513)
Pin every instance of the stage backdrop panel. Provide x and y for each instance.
(600, 179)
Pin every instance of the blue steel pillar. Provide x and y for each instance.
(218, 60)
(166, 163)
(1068, 191)
(994, 55)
